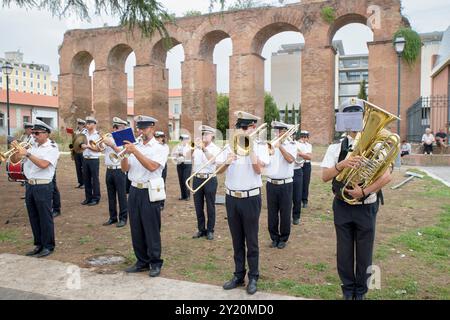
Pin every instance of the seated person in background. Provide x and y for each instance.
(441, 138)
(427, 142)
(405, 148)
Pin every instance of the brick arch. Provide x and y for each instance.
(344, 20)
(268, 31)
(118, 55)
(159, 51)
(81, 62)
(209, 42)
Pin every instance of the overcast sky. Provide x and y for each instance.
(37, 34)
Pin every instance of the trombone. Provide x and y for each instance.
(99, 142)
(117, 157)
(280, 139)
(235, 147)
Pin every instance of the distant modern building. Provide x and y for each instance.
(54, 88)
(286, 76)
(26, 77)
(27, 107)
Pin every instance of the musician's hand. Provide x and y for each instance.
(21, 151)
(231, 158)
(108, 142)
(351, 162)
(130, 147)
(84, 146)
(356, 192)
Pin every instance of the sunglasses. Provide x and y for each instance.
(36, 133)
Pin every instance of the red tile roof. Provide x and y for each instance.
(29, 99)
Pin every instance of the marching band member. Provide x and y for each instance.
(78, 157)
(115, 180)
(182, 154)
(39, 167)
(91, 165)
(243, 202)
(354, 224)
(145, 165)
(306, 148)
(297, 184)
(206, 149)
(160, 136)
(279, 187)
(28, 128)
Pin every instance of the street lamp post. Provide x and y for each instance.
(399, 48)
(7, 69)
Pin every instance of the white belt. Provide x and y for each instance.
(371, 199)
(243, 194)
(280, 181)
(141, 185)
(113, 167)
(204, 175)
(90, 158)
(38, 181)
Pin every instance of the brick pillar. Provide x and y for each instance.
(151, 96)
(246, 85)
(75, 98)
(199, 94)
(318, 68)
(110, 97)
(383, 81)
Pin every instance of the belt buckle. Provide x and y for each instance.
(140, 185)
(239, 194)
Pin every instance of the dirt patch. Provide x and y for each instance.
(306, 267)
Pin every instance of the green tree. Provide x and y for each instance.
(286, 114)
(243, 4)
(293, 114)
(299, 116)
(223, 108)
(270, 111)
(192, 13)
(362, 90)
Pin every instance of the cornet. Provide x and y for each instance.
(280, 139)
(14, 149)
(99, 142)
(117, 157)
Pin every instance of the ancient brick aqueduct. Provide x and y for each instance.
(109, 47)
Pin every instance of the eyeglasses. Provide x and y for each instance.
(36, 133)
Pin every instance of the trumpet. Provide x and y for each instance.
(195, 145)
(235, 147)
(15, 148)
(282, 138)
(99, 142)
(117, 157)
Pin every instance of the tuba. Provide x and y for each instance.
(378, 148)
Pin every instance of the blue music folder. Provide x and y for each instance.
(123, 135)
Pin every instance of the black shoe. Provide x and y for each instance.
(348, 297)
(305, 205)
(181, 198)
(359, 297)
(81, 187)
(56, 213)
(187, 199)
(85, 202)
(136, 269)
(121, 224)
(199, 234)
(154, 272)
(233, 283)
(78, 186)
(36, 250)
(252, 286)
(274, 244)
(281, 245)
(44, 252)
(92, 203)
(22, 197)
(210, 236)
(110, 222)
(296, 222)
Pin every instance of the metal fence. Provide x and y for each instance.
(428, 112)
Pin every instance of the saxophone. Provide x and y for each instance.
(378, 148)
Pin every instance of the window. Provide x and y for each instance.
(17, 72)
(1, 79)
(31, 74)
(38, 76)
(45, 86)
(31, 84)
(26, 118)
(176, 108)
(17, 82)
(24, 74)
(45, 77)
(2, 120)
(38, 85)
(24, 83)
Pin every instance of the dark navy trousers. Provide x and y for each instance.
(206, 194)
(91, 169)
(297, 192)
(279, 208)
(116, 182)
